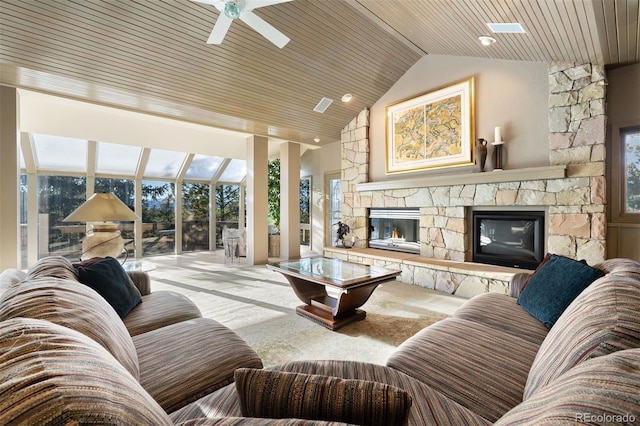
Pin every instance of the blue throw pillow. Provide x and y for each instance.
(110, 280)
(553, 287)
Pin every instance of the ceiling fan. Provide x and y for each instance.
(231, 10)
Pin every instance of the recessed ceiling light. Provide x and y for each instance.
(506, 27)
(316, 140)
(486, 40)
(347, 97)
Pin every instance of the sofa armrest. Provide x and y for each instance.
(142, 281)
(518, 282)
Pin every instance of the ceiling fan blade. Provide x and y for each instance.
(220, 29)
(219, 4)
(263, 27)
(254, 4)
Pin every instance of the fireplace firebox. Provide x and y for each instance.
(509, 238)
(395, 229)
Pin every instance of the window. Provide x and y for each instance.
(630, 138)
(305, 211)
(195, 216)
(58, 196)
(624, 187)
(333, 187)
(158, 217)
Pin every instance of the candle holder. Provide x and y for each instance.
(497, 155)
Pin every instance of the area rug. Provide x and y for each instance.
(259, 305)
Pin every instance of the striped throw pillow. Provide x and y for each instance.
(278, 394)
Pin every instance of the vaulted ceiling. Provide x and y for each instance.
(151, 56)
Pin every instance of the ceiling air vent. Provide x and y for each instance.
(323, 105)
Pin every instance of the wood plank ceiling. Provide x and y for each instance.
(151, 55)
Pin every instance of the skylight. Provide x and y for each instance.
(506, 27)
(235, 171)
(164, 164)
(203, 167)
(57, 153)
(117, 159)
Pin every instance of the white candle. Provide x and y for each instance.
(498, 138)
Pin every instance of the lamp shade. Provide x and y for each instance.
(102, 207)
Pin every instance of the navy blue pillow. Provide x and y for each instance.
(110, 280)
(553, 287)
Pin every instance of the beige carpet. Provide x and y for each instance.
(259, 305)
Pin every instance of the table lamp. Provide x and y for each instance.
(103, 239)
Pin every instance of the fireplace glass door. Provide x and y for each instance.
(394, 229)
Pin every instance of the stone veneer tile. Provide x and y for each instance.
(577, 225)
(598, 190)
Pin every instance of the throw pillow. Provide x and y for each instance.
(279, 394)
(554, 286)
(110, 280)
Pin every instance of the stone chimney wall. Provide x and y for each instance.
(575, 205)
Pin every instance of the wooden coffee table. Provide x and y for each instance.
(332, 289)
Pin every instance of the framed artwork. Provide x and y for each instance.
(433, 130)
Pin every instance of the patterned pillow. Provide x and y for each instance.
(53, 375)
(110, 280)
(278, 394)
(74, 305)
(603, 390)
(554, 285)
(602, 320)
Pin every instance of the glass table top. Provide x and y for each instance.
(336, 270)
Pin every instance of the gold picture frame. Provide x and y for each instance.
(433, 130)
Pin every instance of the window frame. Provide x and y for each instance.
(618, 187)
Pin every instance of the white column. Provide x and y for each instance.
(290, 200)
(9, 178)
(257, 211)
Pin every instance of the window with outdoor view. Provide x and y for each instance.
(158, 217)
(58, 196)
(195, 216)
(631, 152)
(227, 208)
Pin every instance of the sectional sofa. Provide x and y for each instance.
(570, 357)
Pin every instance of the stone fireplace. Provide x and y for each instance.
(571, 190)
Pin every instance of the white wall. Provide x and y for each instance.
(509, 94)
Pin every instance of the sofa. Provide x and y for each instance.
(492, 362)
(174, 354)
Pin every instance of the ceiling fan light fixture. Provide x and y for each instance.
(232, 10)
(486, 40)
